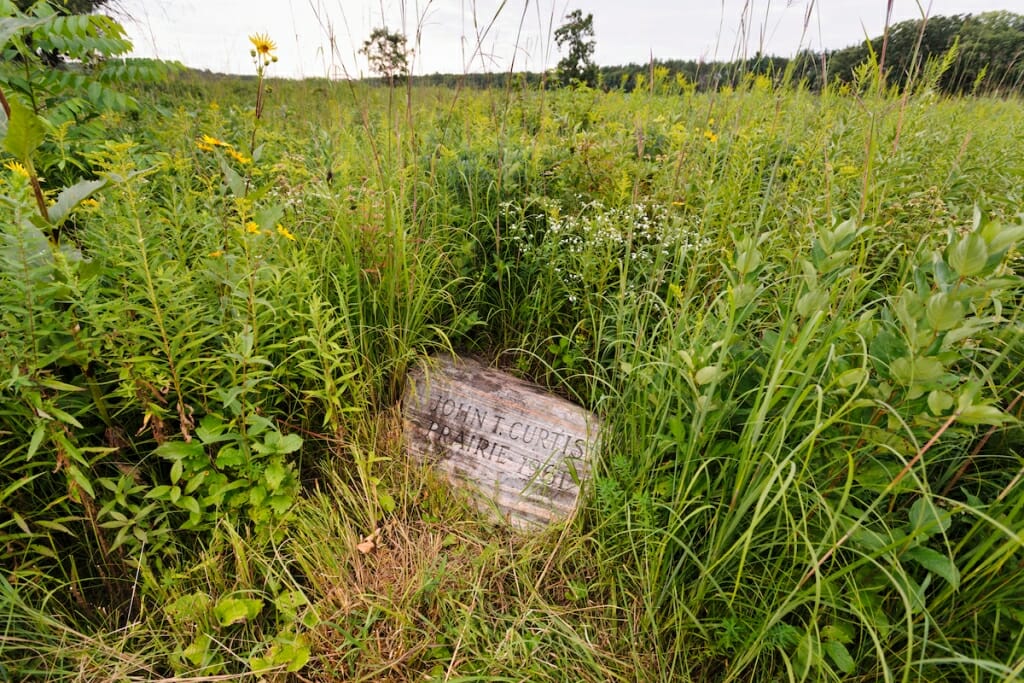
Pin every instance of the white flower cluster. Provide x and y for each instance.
(583, 249)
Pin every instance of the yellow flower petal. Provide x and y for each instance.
(238, 156)
(283, 232)
(17, 167)
(213, 142)
(262, 43)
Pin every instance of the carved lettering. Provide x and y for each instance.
(525, 449)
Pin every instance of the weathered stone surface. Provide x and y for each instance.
(520, 450)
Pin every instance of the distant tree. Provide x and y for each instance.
(387, 54)
(987, 51)
(578, 33)
(991, 53)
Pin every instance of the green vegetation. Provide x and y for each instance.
(799, 314)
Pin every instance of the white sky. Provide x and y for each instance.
(319, 38)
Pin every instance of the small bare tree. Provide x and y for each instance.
(387, 53)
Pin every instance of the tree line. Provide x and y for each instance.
(957, 54)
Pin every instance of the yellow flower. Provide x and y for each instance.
(216, 254)
(208, 142)
(238, 156)
(710, 135)
(252, 228)
(90, 203)
(283, 232)
(262, 43)
(16, 167)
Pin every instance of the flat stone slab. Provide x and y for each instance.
(517, 448)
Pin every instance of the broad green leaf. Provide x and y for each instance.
(37, 438)
(944, 312)
(844, 633)
(80, 479)
(812, 302)
(179, 450)
(211, 429)
(927, 519)
(922, 369)
(709, 374)
(840, 656)
(936, 563)
(229, 456)
(280, 503)
(968, 256)
(940, 402)
(851, 377)
(25, 132)
(274, 474)
(199, 649)
(291, 652)
(269, 217)
(196, 481)
(72, 196)
(189, 503)
(290, 443)
(188, 609)
(58, 385)
(64, 417)
(983, 415)
(877, 476)
(1001, 237)
(176, 469)
(234, 181)
(289, 602)
(158, 491)
(9, 26)
(387, 502)
(748, 257)
(230, 611)
(257, 494)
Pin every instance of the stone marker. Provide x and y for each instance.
(516, 446)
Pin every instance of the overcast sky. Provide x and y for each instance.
(319, 38)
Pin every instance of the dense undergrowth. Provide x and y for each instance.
(799, 315)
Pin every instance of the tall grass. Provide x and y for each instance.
(799, 316)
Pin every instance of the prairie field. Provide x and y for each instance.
(798, 314)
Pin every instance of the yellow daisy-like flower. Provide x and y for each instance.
(238, 156)
(216, 254)
(252, 228)
(18, 168)
(211, 141)
(90, 203)
(283, 232)
(262, 43)
(710, 135)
